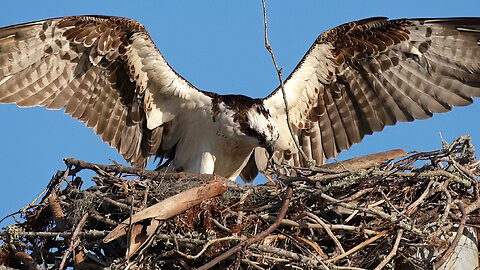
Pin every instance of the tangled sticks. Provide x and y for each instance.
(398, 212)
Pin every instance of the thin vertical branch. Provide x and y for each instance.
(73, 241)
(311, 162)
(448, 253)
(327, 229)
(393, 252)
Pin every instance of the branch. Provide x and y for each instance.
(413, 207)
(289, 222)
(260, 236)
(392, 252)
(73, 241)
(209, 243)
(364, 162)
(363, 244)
(285, 253)
(327, 229)
(118, 168)
(453, 245)
(379, 213)
(90, 233)
(280, 78)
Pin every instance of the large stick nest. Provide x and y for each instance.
(381, 216)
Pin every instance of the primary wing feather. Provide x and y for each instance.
(361, 76)
(105, 71)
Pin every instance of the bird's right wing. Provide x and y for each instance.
(105, 71)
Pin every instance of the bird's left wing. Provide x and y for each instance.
(361, 76)
(107, 72)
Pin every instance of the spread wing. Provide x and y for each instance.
(105, 71)
(361, 76)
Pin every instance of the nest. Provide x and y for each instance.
(383, 216)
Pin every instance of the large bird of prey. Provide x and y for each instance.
(355, 79)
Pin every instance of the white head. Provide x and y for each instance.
(262, 127)
(254, 121)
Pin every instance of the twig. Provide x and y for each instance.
(49, 188)
(468, 174)
(311, 162)
(364, 162)
(252, 264)
(362, 172)
(285, 253)
(111, 201)
(129, 230)
(205, 247)
(360, 246)
(298, 243)
(428, 174)
(355, 212)
(472, 207)
(73, 241)
(379, 213)
(118, 168)
(267, 257)
(349, 268)
(289, 222)
(392, 252)
(453, 245)
(104, 220)
(241, 201)
(90, 233)
(329, 232)
(17, 212)
(357, 195)
(220, 225)
(448, 204)
(328, 177)
(228, 253)
(64, 178)
(412, 207)
(241, 214)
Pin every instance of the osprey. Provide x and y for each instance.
(355, 79)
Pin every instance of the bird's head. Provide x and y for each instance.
(256, 123)
(262, 127)
(259, 127)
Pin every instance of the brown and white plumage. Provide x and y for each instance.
(99, 69)
(354, 80)
(361, 76)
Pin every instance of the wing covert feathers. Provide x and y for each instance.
(361, 76)
(99, 69)
(354, 80)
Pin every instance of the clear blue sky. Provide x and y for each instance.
(217, 46)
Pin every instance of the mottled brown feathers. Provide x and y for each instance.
(375, 72)
(239, 104)
(354, 80)
(80, 63)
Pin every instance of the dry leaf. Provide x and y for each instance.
(171, 206)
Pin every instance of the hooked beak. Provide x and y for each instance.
(270, 149)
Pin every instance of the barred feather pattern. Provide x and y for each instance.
(354, 80)
(89, 66)
(361, 76)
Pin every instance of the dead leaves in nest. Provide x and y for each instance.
(140, 234)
